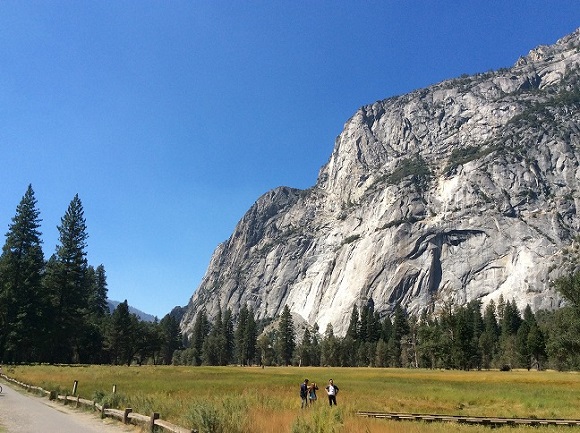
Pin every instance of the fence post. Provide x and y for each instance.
(103, 407)
(114, 389)
(154, 416)
(52, 395)
(65, 399)
(78, 400)
(126, 413)
(75, 385)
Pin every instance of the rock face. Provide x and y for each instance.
(464, 190)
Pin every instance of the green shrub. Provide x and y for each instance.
(464, 155)
(320, 420)
(111, 400)
(229, 416)
(415, 167)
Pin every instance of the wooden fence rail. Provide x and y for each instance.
(126, 416)
(489, 421)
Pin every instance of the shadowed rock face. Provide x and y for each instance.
(464, 190)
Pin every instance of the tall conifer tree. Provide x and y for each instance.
(119, 337)
(171, 338)
(286, 341)
(22, 309)
(68, 284)
(97, 295)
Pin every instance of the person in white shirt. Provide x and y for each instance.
(332, 391)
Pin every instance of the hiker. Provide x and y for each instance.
(304, 393)
(312, 393)
(332, 391)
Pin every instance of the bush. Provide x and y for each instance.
(229, 416)
(320, 420)
(415, 167)
(111, 400)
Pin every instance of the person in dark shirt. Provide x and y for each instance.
(304, 393)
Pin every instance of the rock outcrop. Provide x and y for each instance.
(464, 190)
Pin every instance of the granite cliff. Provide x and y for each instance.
(464, 190)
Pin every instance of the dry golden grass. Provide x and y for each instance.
(266, 400)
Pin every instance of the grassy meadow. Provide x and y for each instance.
(256, 400)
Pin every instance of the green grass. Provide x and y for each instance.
(244, 399)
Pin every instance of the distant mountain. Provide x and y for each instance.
(464, 190)
(143, 316)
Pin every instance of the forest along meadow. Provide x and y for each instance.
(266, 400)
(56, 311)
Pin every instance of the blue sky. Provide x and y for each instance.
(170, 118)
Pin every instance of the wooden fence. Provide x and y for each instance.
(126, 416)
(489, 421)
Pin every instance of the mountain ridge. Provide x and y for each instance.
(466, 189)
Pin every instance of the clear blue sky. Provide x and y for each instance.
(170, 118)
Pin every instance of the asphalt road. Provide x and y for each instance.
(24, 413)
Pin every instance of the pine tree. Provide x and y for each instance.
(201, 329)
(23, 311)
(170, 338)
(353, 324)
(286, 341)
(509, 325)
(67, 283)
(304, 349)
(119, 338)
(251, 337)
(98, 305)
(212, 350)
(488, 340)
(150, 341)
(535, 342)
(315, 346)
(227, 333)
(330, 348)
(246, 337)
(241, 336)
(399, 330)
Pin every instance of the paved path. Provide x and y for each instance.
(24, 413)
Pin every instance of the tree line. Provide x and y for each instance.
(56, 311)
(467, 337)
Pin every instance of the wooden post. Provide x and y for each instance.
(154, 416)
(75, 385)
(52, 395)
(103, 407)
(65, 399)
(114, 389)
(126, 413)
(78, 400)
